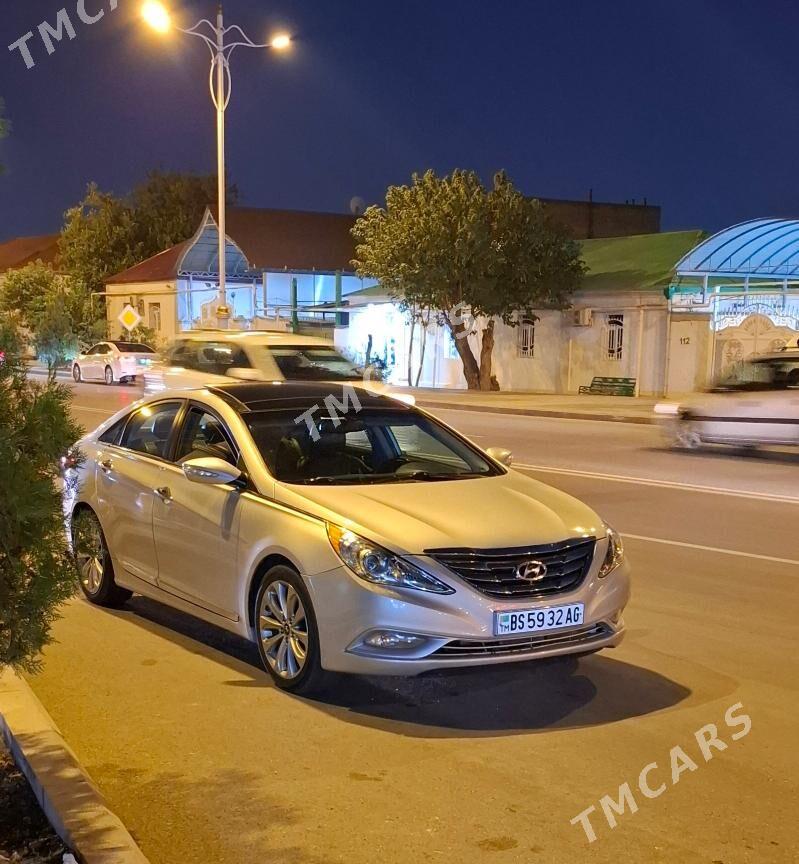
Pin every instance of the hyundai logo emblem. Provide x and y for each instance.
(531, 571)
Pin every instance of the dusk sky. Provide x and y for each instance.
(692, 105)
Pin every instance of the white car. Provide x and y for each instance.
(757, 405)
(339, 530)
(214, 357)
(113, 361)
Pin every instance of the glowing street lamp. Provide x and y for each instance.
(222, 42)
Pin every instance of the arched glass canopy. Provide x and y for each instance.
(759, 248)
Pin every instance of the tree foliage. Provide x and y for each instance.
(53, 309)
(472, 255)
(37, 571)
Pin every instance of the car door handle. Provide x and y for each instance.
(106, 465)
(164, 493)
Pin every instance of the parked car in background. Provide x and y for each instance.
(113, 361)
(214, 357)
(756, 405)
(371, 539)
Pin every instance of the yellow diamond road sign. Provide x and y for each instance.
(129, 318)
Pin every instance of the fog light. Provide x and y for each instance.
(392, 639)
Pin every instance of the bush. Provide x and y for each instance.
(37, 570)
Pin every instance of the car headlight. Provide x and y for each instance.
(373, 563)
(615, 554)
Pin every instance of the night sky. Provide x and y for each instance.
(693, 105)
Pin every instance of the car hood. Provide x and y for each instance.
(483, 513)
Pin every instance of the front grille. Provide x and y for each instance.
(528, 644)
(494, 571)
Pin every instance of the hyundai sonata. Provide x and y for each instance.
(339, 530)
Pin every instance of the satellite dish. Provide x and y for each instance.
(357, 206)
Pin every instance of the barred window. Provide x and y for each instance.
(525, 338)
(614, 345)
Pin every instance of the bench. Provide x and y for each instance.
(610, 387)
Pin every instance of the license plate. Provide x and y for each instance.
(535, 620)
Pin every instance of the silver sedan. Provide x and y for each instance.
(339, 530)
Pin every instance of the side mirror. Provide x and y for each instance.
(210, 470)
(501, 455)
(243, 374)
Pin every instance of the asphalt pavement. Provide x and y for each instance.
(204, 760)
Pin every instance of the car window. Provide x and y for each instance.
(372, 446)
(204, 434)
(184, 354)
(149, 428)
(313, 363)
(111, 435)
(95, 349)
(134, 348)
(217, 357)
(102, 348)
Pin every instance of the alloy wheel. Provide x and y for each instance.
(109, 375)
(90, 554)
(76, 373)
(283, 629)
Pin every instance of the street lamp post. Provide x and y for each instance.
(222, 42)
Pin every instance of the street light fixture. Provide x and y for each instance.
(222, 42)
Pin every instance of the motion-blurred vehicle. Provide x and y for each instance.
(113, 361)
(214, 357)
(368, 537)
(756, 405)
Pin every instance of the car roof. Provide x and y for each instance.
(253, 337)
(247, 396)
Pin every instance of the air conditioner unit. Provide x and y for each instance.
(582, 317)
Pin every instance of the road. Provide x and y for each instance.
(206, 761)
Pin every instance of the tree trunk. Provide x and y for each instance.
(410, 348)
(487, 380)
(424, 324)
(471, 370)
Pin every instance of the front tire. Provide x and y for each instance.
(95, 570)
(286, 631)
(686, 435)
(76, 375)
(109, 375)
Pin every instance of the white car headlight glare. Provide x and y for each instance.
(375, 564)
(615, 554)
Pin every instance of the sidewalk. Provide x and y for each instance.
(621, 409)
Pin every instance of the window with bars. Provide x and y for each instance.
(525, 338)
(614, 340)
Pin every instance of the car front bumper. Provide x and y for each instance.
(458, 627)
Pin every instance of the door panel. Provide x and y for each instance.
(196, 529)
(125, 483)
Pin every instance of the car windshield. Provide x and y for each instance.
(762, 375)
(134, 348)
(313, 363)
(372, 446)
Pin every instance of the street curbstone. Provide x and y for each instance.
(66, 794)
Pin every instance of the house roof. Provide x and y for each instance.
(645, 262)
(20, 251)
(290, 240)
(160, 268)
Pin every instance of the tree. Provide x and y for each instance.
(473, 256)
(52, 308)
(37, 570)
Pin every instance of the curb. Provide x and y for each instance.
(539, 412)
(66, 794)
